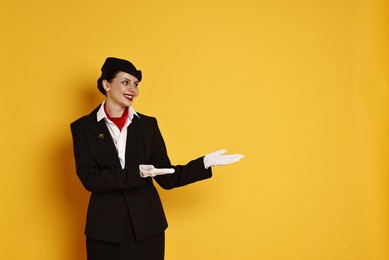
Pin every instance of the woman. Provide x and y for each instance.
(118, 152)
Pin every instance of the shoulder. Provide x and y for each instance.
(145, 117)
(79, 122)
(87, 119)
(147, 121)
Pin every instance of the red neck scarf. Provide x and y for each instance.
(119, 121)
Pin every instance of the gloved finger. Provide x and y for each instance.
(219, 152)
(231, 157)
(236, 156)
(227, 159)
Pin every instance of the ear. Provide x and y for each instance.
(106, 85)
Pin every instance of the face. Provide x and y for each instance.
(122, 90)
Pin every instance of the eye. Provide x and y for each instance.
(125, 82)
(136, 84)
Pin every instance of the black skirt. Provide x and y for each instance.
(150, 249)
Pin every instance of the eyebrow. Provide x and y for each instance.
(135, 81)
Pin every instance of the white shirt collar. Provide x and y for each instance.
(101, 113)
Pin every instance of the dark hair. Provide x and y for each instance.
(107, 75)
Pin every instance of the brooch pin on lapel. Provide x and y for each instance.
(101, 136)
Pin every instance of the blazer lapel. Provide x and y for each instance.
(103, 137)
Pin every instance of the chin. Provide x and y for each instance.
(127, 103)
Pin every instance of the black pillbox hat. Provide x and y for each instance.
(116, 64)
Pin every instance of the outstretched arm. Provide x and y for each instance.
(169, 176)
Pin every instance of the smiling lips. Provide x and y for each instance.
(129, 97)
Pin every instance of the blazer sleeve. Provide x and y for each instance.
(184, 174)
(98, 174)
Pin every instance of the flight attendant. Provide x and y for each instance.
(118, 153)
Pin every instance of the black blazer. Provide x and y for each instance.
(116, 191)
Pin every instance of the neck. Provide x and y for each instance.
(114, 110)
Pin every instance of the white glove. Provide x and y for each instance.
(151, 171)
(217, 158)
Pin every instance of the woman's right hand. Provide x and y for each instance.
(147, 170)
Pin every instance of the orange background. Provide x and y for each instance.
(300, 87)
